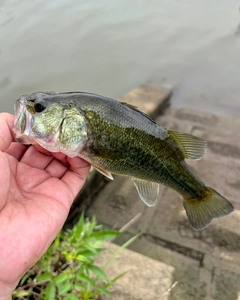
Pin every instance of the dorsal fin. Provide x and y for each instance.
(192, 146)
(133, 107)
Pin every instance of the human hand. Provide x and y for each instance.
(37, 189)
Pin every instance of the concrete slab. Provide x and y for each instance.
(196, 279)
(186, 268)
(147, 279)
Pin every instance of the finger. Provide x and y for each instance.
(77, 174)
(35, 159)
(79, 166)
(41, 149)
(6, 134)
(56, 169)
(62, 158)
(17, 150)
(58, 155)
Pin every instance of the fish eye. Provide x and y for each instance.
(39, 107)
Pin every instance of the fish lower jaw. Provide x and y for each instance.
(53, 145)
(23, 138)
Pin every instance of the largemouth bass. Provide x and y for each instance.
(117, 138)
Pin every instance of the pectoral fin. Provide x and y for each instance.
(147, 190)
(104, 172)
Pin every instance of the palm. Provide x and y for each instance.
(37, 191)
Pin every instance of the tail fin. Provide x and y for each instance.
(201, 211)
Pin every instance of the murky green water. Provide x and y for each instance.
(109, 47)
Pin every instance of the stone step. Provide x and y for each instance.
(146, 278)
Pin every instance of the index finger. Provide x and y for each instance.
(6, 134)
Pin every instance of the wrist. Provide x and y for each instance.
(6, 290)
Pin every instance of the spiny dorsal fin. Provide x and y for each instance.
(192, 147)
(147, 190)
(133, 107)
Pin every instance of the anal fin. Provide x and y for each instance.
(147, 190)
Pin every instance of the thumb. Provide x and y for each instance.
(6, 134)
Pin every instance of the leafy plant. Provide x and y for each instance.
(67, 270)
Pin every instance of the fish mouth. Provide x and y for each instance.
(22, 122)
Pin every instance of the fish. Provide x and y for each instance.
(117, 138)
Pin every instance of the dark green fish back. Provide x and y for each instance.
(108, 110)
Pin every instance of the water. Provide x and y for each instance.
(110, 47)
